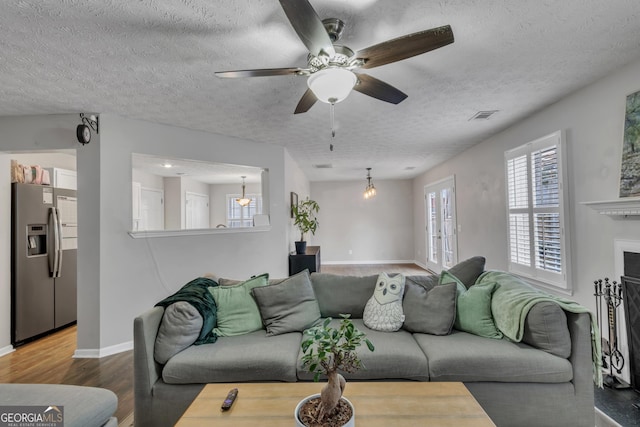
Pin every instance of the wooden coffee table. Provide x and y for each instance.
(396, 404)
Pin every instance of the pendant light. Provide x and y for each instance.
(243, 201)
(370, 192)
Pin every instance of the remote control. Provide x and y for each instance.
(231, 397)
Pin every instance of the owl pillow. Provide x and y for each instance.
(383, 311)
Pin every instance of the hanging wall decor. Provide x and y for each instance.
(630, 169)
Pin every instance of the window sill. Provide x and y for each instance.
(196, 232)
(542, 285)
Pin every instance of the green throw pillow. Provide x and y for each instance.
(473, 310)
(237, 310)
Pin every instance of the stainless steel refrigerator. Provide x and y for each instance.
(43, 260)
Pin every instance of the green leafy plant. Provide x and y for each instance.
(304, 214)
(327, 350)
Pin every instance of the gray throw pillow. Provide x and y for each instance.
(288, 306)
(338, 294)
(546, 328)
(468, 270)
(429, 311)
(180, 327)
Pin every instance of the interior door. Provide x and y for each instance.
(151, 209)
(197, 210)
(441, 225)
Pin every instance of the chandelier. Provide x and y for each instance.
(243, 201)
(370, 192)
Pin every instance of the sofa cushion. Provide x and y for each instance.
(237, 310)
(473, 310)
(430, 311)
(469, 358)
(338, 294)
(545, 327)
(289, 306)
(180, 327)
(396, 356)
(468, 270)
(383, 311)
(249, 357)
(83, 406)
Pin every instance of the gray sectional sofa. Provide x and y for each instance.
(545, 379)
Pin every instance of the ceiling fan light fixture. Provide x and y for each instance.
(332, 85)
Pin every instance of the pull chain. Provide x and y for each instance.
(332, 115)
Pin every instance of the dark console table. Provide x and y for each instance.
(309, 260)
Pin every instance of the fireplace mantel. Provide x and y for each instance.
(629, 206)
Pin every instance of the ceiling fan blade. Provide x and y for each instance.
(265, 72)
(379, 89)
(306, 102)
(308, 26)
(405, 47)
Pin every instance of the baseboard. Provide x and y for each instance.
(422, 265)
(6, 350)
(103, 352)
(603, 420)
(391, 261)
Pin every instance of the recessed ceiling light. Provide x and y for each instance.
(409, 168)
(167, 165)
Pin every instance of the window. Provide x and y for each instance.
(536, 203)
(239, 216)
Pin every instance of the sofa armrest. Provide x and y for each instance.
(146, 370)
(581, 360)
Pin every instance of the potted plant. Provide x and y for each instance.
(304, 214)
(327, 350)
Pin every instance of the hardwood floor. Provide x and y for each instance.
(49, 360)
(369, 269)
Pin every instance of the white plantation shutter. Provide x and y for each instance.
(538, 240)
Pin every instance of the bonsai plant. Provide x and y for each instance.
(326, 350)
(304, 214)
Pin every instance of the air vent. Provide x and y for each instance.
(483, 115)
(409, 168)
(324, 166)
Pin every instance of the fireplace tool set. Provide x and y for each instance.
(611, 294)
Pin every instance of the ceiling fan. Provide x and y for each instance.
(330, 67)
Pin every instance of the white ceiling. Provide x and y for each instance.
(154, 60)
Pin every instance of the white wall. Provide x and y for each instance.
(47, 160)
(147, 180)
(118, 276)
(593, 120)
(294, 181)
(136, 273)
(375, 230)
(5, 253)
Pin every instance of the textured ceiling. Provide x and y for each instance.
(154, 60)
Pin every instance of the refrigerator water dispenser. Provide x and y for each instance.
(36, 240)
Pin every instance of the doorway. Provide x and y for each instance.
(441, 225)
(45, 189)
(197, 210)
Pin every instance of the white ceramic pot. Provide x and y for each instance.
(350, 423)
